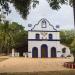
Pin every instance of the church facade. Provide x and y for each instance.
(44, 41)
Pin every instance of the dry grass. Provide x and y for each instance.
(32, 65)
(72, 72)
(2, 59)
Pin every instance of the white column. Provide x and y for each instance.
(13, 52)
(49, 51)
(39, 52)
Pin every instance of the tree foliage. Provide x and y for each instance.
(23, 6)
(68, 39)
(12, 36)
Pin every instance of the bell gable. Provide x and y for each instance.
(43, 25)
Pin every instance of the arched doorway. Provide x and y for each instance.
(44, 51)
(35, 52)
(53, 52)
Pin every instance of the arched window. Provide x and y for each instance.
(50, 37)
(37, 36)
(64, 50)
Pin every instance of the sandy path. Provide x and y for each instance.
(31, 65)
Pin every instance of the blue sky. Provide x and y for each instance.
(63, 17)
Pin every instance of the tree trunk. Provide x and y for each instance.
(74, 11)
(8, 52)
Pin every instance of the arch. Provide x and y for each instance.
(44, 51)
(35, 52)
(53, 52)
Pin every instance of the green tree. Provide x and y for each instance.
(23, 6)
(73, 48)
(19, 34)
(56, 4)
(5, 36)
(68, 39)
(67, 36)
(12, 36)
(4, 9)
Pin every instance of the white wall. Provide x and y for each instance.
(37, 29)
(32, 35)
(49, 27)
(48, 43)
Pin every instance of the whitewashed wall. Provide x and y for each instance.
(32, 35)
(49, 29)
(50, 45)
(49, 26)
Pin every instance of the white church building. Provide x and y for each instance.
(44, 41)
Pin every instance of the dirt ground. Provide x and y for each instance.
(21, 64)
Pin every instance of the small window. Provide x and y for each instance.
(50, 36)
(64, 50)
(37, 36)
